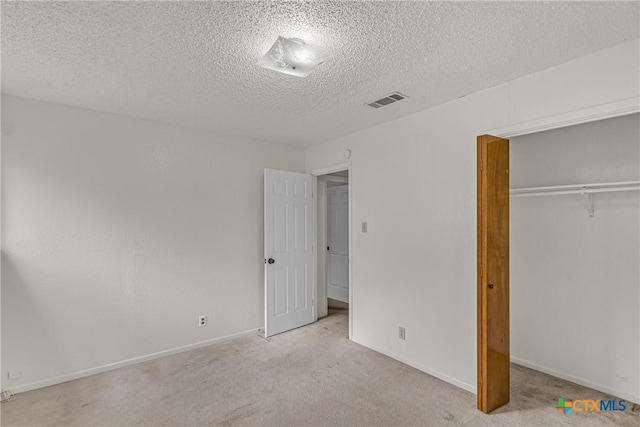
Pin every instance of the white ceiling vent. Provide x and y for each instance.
(389, 99)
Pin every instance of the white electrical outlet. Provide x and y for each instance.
(15, 375)
(202, 321)
(401, 332)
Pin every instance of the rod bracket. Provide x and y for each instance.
(589, 200)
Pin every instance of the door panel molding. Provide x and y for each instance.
(288, 251)
(338, 243)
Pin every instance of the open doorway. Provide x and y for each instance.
(300, 265)
(333, 272)
(337, 237)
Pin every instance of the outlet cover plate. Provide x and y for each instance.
(15, 375)
(202, 321)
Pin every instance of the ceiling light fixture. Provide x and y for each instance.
(292, 56)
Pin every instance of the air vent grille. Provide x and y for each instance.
(389, 99)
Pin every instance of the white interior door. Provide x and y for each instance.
(288, 252)
(338, 243)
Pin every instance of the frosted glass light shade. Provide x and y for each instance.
(292, 56)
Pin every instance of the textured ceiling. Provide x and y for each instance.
(194, 63)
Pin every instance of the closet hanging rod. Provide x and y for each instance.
(559, 190)
(579, 191)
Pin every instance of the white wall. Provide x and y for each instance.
(575, 279)
(414, 181)
(119, 232)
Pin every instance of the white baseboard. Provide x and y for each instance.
(581, 381)
(444, 377)
(123, 363)
(527, 364)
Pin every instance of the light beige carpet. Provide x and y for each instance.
(309, 376)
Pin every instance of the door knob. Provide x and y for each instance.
(271, 260)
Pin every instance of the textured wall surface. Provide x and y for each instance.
(194, 63)
(118, 233)
(417, 263)
(575, 279)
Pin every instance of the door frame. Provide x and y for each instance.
(319, 238)
(609, 110)
(585, 115)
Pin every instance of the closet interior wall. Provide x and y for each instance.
(575, 299)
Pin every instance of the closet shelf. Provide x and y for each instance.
(584, 189)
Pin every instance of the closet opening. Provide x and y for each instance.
(570, 304)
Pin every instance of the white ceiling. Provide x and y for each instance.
(193, 63)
